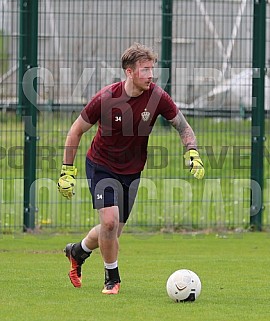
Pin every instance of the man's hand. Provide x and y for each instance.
(193, 160)
(66, 182)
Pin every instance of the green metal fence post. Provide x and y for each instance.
(166, 48)
(257, 145)
(27, 103)
(166, 51)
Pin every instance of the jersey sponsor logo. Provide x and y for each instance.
(145, 115)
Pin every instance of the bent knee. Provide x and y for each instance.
(110, 225)
(109, 218)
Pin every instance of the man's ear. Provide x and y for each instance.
(129, 72)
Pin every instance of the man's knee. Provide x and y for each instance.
(109, 218)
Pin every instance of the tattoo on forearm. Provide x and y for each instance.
(185, 131)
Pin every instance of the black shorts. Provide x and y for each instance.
(111, 189)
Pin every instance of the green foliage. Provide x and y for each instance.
(232, 268)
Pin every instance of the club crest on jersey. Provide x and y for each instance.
(145, 115)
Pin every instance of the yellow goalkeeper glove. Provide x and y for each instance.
(66, 182)
(193, 160)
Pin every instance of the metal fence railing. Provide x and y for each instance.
(79, 45)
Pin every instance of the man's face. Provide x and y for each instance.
(142, 75)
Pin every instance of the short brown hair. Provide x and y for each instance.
(137, 52)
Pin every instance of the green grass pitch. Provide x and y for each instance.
(233, 268)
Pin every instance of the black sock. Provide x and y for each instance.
(112, 275)
(78, 253)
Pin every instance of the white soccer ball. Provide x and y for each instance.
(183, 285)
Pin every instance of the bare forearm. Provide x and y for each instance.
(71, 147)
(186, 133)
(73, 139)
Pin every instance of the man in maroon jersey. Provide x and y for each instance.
(125, 112)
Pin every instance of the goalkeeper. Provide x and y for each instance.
(125, 112)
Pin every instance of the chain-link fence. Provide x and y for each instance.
(79, 45)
